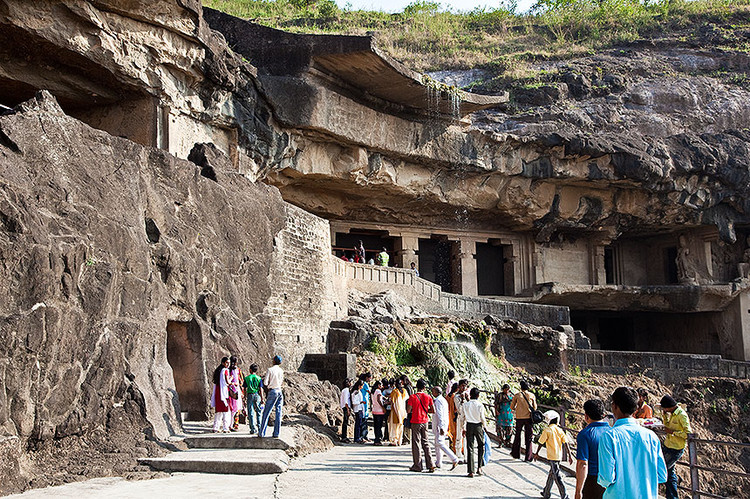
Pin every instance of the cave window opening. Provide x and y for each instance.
(184, 355)
(670, 265)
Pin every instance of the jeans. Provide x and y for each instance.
(377, 423)
(591, 489)
(253, 411)
(527, 427)
(359, 421)
(275, 400)
(474, 437)
(671, 456)
(363, 428)
(554, 477)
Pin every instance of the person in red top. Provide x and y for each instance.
(420, 405)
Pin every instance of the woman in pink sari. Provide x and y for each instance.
(235, 390)
(220, 397)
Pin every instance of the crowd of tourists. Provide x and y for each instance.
(619, 459)
(237, 398)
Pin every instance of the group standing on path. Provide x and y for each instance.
(232, 390)
(616, 461)
(612, 461)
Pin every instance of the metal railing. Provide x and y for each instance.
(692, 450)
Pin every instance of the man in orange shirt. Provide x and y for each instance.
(644, 411)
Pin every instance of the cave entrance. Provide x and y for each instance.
(491, 269)
(435, 261)
(184, 347)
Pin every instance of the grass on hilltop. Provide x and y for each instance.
(427, 38)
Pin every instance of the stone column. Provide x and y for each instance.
(467, 259)
(598, 270)
(406, 250)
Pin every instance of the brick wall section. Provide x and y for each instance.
(305, 296)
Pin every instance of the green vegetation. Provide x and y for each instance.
(581, 376)
(426, 38)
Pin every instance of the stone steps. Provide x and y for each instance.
(225, 461)
(241, 441)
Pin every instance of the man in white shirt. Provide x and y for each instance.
(474, 431)
(345, 401)
(274, 398)
(440, 428)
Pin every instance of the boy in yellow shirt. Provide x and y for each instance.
(556, 441)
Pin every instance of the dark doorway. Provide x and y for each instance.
(490, 269)
(616, 333)
(373, 241)
(184, 347)
(435, 262)
(670, 265)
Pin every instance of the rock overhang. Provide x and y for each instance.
(348, 62)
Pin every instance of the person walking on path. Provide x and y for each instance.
(459, 399)
(398, 413)
(252, 384)
(345, 401)
(452, 417)
(522, 404)
(409, 392)
(366, 404)
(630, 459)
(587, 452)
(644, 411)
(440, 428)
(419, 406)
(378, 412)
(387, 389)
(220, 397)
(474, 416)
(274, 397)
(556, 441)
(359, 411)
(504, 416)
(677, 426)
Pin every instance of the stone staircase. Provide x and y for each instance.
(227, 453)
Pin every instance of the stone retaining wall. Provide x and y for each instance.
(661, 365)
(429, 297)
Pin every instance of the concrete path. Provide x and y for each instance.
(383, 472)
(345, 471)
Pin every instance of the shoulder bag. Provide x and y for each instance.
(536, 415)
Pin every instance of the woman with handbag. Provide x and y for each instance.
(235, 392)
(523, 404)
(220, 397)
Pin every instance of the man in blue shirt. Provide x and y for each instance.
(366, 378)
(587, 467)
(631, 464)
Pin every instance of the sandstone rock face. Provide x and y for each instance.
(117, 260)
(149, 71)
(616, 144)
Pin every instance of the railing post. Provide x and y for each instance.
(693, 460)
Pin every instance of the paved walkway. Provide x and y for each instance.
(345, 471)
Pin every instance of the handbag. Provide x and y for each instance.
(536, 415)
(233, 392)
